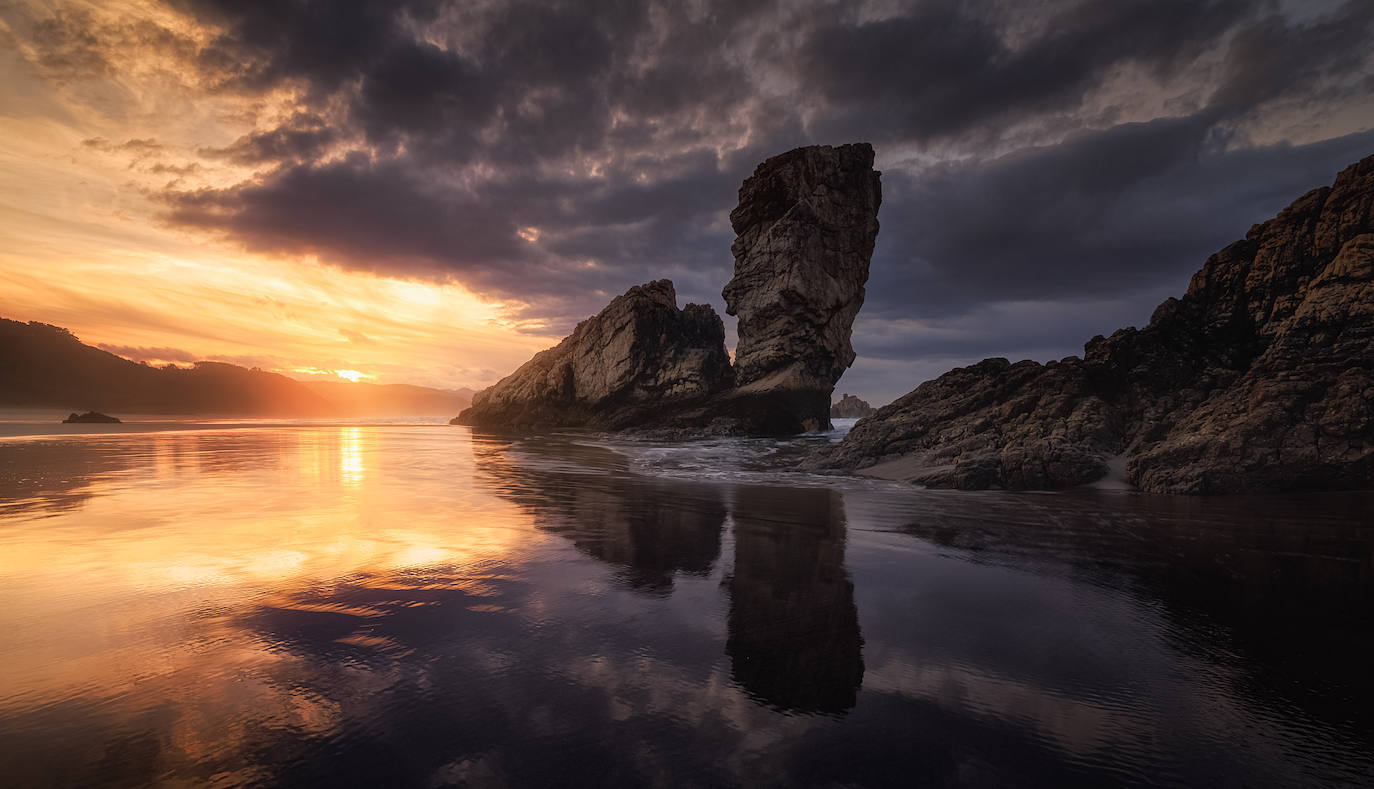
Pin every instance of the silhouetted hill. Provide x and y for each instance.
(43, 366)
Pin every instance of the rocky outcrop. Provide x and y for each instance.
(806, 224)
(90, 418)
(638, 358)
(851, 407)
(1260, 378)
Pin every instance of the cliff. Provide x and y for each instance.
(1261, 377)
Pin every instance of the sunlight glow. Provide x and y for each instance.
(351, 456)
(81, 247)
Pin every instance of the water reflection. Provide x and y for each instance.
(794, 631)
(793, 640)
(420, 607)
(1279, 589)
(53, 476)
(351, 456)
(653, 529)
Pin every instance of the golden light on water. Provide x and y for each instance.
(236, 516)
(351, 456)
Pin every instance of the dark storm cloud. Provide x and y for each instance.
(143, 354)
(365, 214)
(1084, 157)
(304, 137)
(1030, 255)
(1102, 215)
(262, 43)
(1324, 59)
(947, 66)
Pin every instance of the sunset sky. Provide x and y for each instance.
(429, 192)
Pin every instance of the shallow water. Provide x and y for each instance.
(418, 606)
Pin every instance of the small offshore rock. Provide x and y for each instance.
(851, 407)
(90, 418)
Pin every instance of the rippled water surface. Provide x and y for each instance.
(418, 606)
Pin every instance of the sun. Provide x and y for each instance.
(351, 375)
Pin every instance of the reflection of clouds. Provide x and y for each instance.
(243, 622)
(1077, 725)
(190, 518)
(38, 476)
(794, 637)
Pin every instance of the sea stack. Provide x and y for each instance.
(806, 224)
(805, 228)
(851, 407)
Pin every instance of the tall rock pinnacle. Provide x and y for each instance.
(805, 228)
(806, 223)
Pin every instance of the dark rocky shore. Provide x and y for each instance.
(1261, 378)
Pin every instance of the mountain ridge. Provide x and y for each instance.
(47, 366)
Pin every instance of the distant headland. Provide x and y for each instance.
(44, 366)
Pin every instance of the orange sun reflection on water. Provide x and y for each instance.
(131, 562)
(351, 456)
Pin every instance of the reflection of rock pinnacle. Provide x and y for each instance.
(794, 638)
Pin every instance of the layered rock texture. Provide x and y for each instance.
(1260, 378)
(805, 228)
(638, 357)
(806, 225)
(851, 407)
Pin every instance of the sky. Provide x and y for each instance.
(429, 192)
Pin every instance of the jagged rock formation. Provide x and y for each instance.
(806, 224)
(1260, 378)
(638, 358)
(805, 228)
(851, 407)
(90, 418)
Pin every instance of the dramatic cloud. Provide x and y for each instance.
(1065, 163)
(140, 354)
